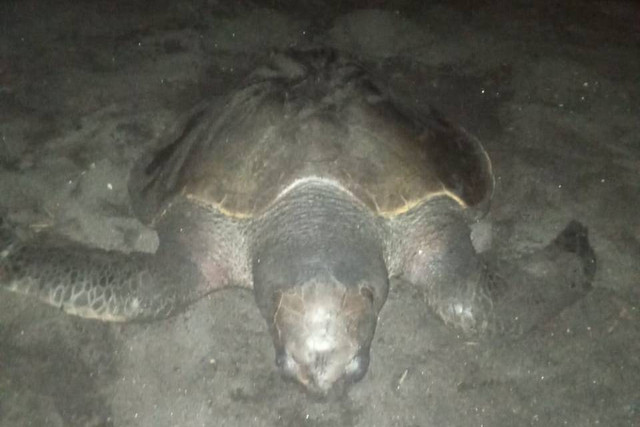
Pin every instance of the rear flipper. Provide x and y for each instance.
(99, 284)
(535, 288)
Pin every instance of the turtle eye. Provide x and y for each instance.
(357, 368)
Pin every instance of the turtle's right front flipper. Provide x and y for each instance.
(507, 299)
(95, 283)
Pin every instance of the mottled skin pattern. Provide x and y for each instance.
(319, 234)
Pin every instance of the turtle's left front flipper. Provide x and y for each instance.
(95, 283)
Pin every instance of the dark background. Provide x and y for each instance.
(552, 88)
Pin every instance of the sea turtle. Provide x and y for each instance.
(313, 186)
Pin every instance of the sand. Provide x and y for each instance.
(552, 90)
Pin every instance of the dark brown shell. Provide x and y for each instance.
(314, 117)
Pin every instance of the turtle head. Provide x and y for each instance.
(322, 332)
(320, 280)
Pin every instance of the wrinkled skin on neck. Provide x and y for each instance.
(320, 281)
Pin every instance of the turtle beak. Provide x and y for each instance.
(317, 379)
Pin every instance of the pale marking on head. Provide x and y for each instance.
(463, 311)
(319, 338)
(315, 320)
